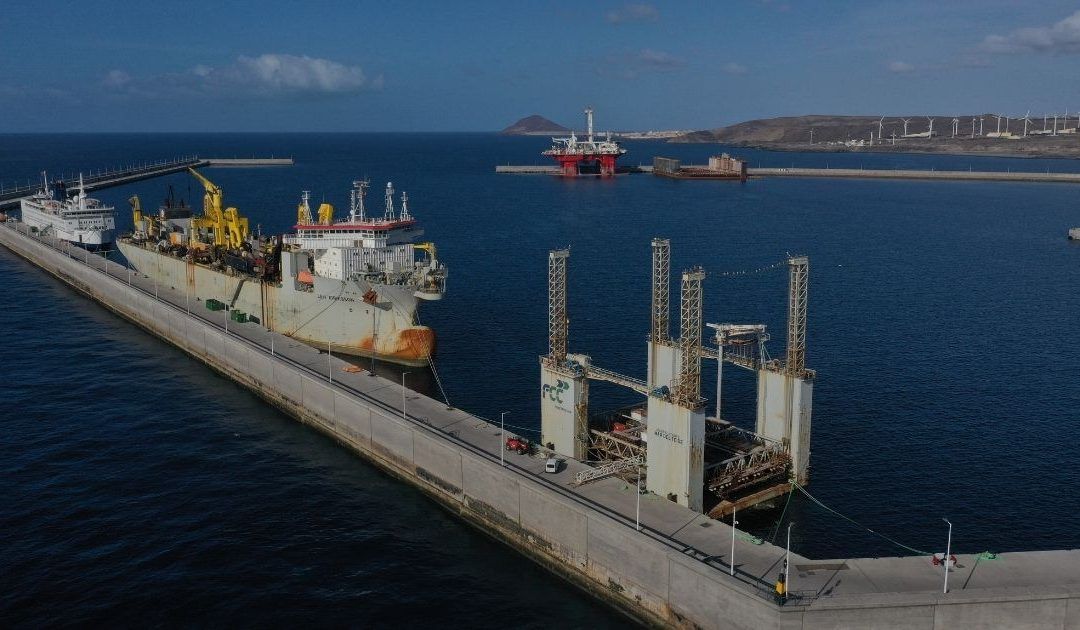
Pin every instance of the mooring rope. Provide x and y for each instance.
(857, 524)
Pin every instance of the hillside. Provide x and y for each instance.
(533, 125)
(852, 133)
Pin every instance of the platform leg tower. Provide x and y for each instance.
(785, 394)
(676, 445)
(564, 392)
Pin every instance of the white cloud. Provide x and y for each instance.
(900, 67)
(634, 12)
(658, 59)
(268, 75)
(1061, 38)
(116, 78)
(734, 68)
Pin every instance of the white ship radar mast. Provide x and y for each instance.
(45, 190)
(81, 196)
(588, 117)
(356, 200)
(405, 206)
(389, 215)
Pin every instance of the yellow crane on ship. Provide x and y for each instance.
(230, 230)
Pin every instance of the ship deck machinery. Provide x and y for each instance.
(350, 287)
(574, 155)
(700, 461)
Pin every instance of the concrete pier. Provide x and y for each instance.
(97, 180)
(843, 173)
(673, 572)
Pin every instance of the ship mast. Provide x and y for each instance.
(356, 200)
(389, 214)
(405, 206)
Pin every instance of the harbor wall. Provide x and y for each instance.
(636, 573)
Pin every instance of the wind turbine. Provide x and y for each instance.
(905, 121)
(1006, 124)
(880, 128)
(1055, 125)
(955, 125)
(998, 132)
(930, 134)
(1027, 120)
(980, 125)
(972, 127)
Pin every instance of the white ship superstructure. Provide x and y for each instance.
(79, 219)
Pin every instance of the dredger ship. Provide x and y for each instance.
(351, 286)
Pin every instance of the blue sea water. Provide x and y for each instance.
(140, 487)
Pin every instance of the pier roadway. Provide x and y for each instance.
(675, 571)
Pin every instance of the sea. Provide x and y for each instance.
(140, 488)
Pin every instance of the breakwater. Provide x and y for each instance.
(673, 572)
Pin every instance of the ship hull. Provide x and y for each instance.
(328, 314)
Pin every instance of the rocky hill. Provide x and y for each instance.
(852, 133)
(534, 125)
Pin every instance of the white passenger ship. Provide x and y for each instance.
(78, 219)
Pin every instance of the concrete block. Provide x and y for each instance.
(1072, 614)
(215, 343)
(260, 366)
(556, 524)
(352, 417)
(700, 593)
(646, 569)
(437, 464)
(286, 380)
(195, 336)
(491, 491)
(318, 398)
(1026, 613)
(392, 438)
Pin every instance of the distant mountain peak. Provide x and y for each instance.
(533, 125)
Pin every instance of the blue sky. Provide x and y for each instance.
(478, 66)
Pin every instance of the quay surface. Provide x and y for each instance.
(675, 571)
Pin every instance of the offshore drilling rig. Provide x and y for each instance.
(700, 461)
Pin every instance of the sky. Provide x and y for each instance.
(282, 66)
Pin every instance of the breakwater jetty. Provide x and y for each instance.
(108, 178)
(702, 171)
(679, 569)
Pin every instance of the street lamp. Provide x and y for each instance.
(502, 443)
(403, 417)
(637, 486)
(945, 560)
(787, 562)
(734, 524)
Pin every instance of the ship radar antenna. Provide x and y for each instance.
(389, 216)
(356, 196)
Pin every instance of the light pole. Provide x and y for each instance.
(403, 416)
(502, 441)
(945, 560)
(734, 524)
(637, 510)
(787, 562)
